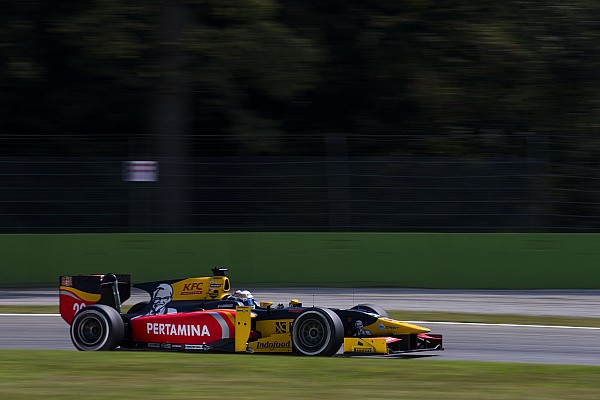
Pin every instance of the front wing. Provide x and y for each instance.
(393, 345)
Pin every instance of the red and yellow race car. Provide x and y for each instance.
(203, 315)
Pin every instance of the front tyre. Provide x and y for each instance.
(318, 332)
(97, 327)
(371, 308)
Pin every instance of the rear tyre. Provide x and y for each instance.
(318, 332)
(97, 327)
(371, 308)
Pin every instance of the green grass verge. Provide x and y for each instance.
(402, 316)
(29, 374)
(10, 309)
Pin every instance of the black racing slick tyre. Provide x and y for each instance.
(97, 327)
(317, 332)
(371, 308)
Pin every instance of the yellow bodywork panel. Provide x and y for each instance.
(243, 319)
(387, 326)
(365, 345)
(274, 327)
(214, 288)
(277, 343)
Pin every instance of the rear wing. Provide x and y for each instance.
(80, 291)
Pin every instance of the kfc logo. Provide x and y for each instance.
(192, 288)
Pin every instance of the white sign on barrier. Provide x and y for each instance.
(140, 171)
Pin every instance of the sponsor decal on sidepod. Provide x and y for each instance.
(191, 289)
(156, 328)
(274, 345)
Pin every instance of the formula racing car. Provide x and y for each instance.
(203, 315)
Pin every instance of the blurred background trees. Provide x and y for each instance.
(341, 79)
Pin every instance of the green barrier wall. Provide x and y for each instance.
(487, 261)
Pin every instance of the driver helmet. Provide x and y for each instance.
(245, 297)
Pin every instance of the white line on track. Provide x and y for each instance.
(506, 325)
(29, 315)
(412, 322)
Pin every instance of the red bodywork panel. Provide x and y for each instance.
(197, 327)
(71, 301)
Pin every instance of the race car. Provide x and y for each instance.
(203, 315)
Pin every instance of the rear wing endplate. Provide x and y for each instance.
(78, 291)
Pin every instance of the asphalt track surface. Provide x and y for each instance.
(479, 342)
(584, 303)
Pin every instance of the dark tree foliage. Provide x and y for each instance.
(253, 72)
(175, 79)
